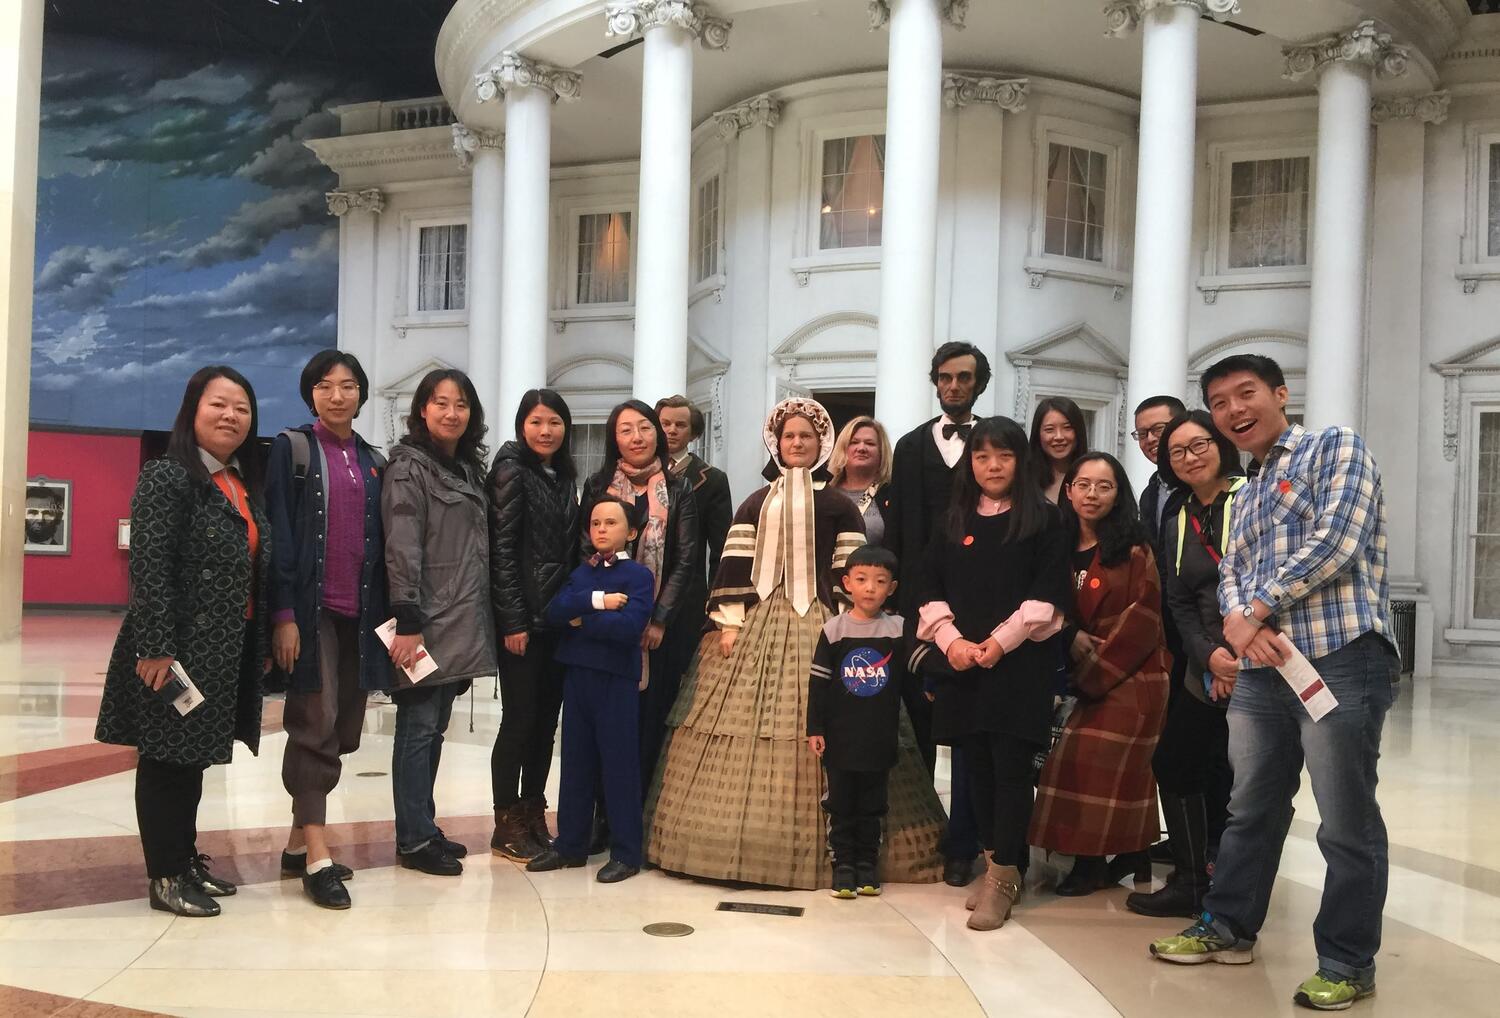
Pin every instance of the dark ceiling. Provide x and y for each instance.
(389, 42)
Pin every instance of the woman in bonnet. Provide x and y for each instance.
(736, 795)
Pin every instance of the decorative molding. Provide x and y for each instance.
(1121, 17)
(1120, 428)
(360, 151)
(1453, 371)
(761, 111)
(954, 11)
(637, 17)
(370, 199)
(1431, 108)
(1362, 44)
(788, 352)
(1009, 94)
(516, 71)
(469, 140)
(1200, 359)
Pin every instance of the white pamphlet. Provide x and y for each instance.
(425, 665)
(184, 693)
(1305, 681)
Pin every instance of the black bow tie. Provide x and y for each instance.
(961, 430)
(598, 559)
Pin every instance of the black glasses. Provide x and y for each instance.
(1154, 431)
(1198, 447)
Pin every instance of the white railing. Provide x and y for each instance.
(409, 114)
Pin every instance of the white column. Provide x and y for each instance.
(1162, 275)
(484, 152)
(663, 246)
(908, 242)
(20, 112)
(358, 213)
(747, 130)
(530, 89)
(1344, 64)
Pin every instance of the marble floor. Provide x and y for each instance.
(77, 939)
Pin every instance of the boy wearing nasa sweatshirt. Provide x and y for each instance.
(853, 710)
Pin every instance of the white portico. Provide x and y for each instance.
(756, 197)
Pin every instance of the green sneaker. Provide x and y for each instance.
(1199, 943)
(1329, 991)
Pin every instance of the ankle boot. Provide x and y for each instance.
(1187, 820)
(998, 890)
(534, 819)
(1136, 865)
(511, 839)
(1089, 874)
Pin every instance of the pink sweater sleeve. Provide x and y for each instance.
(935, 624)
(1034, 620)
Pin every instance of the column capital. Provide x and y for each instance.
(469, 140)
(1363, 44)
(1123, 16)
(1009, 94)
(761, 111)
(371, 199)
(954, 12)
(515, 71)
(637, 17)
(1431, 108)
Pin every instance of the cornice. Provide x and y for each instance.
(383, 149)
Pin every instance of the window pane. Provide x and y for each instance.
(1075, 202)
(1494, 224)
(853, 191)
(1075, 239)
(441, 267)
(1487, 524)
(706, 233)
(1056, 236)
(603, 258)
(1268, 202)
(1096, 169)
(1057, 200)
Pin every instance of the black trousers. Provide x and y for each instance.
(166, 811)
(855, 803)
(1192, 756)
(919, 710)
(531, 695)
(1002, 787)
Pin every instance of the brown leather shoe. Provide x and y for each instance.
(511, 839)
(534, 820)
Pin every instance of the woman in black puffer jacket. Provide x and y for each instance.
(533, 548)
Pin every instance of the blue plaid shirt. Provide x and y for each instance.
(1308, 539)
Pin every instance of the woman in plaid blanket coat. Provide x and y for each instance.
(1097, 796)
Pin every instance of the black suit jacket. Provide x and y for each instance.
(920, 482)
(715, 511)
(1151, 506)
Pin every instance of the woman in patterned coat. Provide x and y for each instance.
(1097, 793)
(736, 794)
(199, 559)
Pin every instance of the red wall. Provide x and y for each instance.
(103, 470)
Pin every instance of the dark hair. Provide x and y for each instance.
(1120, 530)
(1229, 456)
(562, 460)
(1172, 403)
(1070, 410)
(1264, 368)
(471, 448)
(695, 416)
(182, 441)
(606, 471)
(1028, 509)
(873, 555)
(953, 349)
(630, 511)
(325, 361)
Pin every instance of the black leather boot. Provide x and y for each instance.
(181, 896)
(1187, 822)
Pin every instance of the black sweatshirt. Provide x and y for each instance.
(854, 692)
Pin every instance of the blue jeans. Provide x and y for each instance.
(1270, 735)
(422, 714)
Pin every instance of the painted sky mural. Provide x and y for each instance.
(180, 222)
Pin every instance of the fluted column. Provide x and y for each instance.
(358, 213)
(1344, 64)
(529, 89)
(1162, 275)
(663, 245)
(908, 251)
(483, 152)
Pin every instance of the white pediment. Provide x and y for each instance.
(1288, 349)
(704, 360)
(593, 372)
(1481, 358)
(842, 336)
(1075, 347)
(407, 383)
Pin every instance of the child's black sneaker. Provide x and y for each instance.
(843, 882)
(867, 881)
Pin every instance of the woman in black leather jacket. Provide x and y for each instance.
(637, 468)
(533, 548)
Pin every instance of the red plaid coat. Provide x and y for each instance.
(1097, 795)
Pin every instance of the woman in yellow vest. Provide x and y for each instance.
(1192, 758)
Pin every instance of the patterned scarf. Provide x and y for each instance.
(786, 541)
(652, 547)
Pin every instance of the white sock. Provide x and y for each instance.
(297, 851)
(319, 866)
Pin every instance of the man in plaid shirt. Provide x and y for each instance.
(1306, 558)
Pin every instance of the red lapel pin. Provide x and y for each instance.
(1285, 486)
(968, 540)
(1094, 583)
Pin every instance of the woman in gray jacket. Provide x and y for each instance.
(437, 564)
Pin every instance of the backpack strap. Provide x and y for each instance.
(301, 452)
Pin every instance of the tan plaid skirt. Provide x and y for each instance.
(737, 793)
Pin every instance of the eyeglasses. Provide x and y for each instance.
(1154, 432)
(344, 388)
(1102, 488)
(1198, 447)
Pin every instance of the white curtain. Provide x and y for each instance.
(604, 258)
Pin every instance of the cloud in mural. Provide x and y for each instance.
(77, 342)
(246, 233)
(293, 285)
(84, 277)
(213, 85)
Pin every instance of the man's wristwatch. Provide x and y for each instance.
(1249, 612)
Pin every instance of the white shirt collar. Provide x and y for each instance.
(213, 466)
